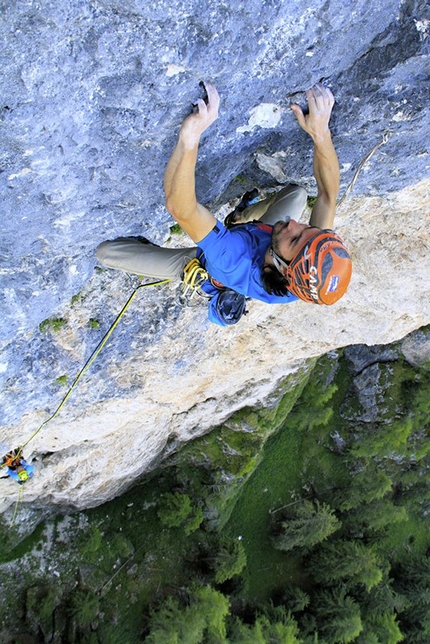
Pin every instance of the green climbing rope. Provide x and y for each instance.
(91, 359)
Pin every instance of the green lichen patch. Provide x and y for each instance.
(52, 324)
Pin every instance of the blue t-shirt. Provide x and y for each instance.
(14, 474)
(235, 257)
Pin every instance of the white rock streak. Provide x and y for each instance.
(265, 115)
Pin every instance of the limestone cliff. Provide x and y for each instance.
(93, 93)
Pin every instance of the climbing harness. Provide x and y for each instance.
(17, 453)
(226, 307)
(193, 278)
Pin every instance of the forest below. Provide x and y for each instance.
(306, 522)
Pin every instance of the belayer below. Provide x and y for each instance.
(16, 466)
(262, 251)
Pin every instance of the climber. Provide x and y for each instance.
(16, 466)
(264, 253)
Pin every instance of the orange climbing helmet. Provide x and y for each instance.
(321, 270)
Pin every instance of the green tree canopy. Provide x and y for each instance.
(338, 616)
(176, 510)
(349, 561)
(202, 621)
(308, 524)
(230, 560)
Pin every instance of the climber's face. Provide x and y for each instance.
(289, 236)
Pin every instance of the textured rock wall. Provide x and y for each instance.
(92, 97)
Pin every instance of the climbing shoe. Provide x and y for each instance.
(248, 199)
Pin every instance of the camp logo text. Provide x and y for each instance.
(313, 283)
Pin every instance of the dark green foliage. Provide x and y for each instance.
(375, 517)
(383, 599)
(369, 484)
(93, 323)
(176, 510)
(40, 606)
(383, 629)
(85, 607)
(339, 616)
(230, 560)
(274, 626)
(296, 599)
(350, 562)
(241, 633)
(374, 444)
(91, 542)
(201, 620)
(308, 524)
(413, 581)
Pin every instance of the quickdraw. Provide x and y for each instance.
(364, 160)
(194, 276)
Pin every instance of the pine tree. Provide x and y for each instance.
(279, 625)
(383, 441)
(383, 599)
(176, 510)
(230, 560)
(296, 599)
(201, 621)
(347, 561)
(215, 606)
(309, 524)
(412, 579)
(241, 633)
(275, 626)
(375, 517)
(280, 632)
(338, 616)
(85, 607)
(386, 628)
(370, 484)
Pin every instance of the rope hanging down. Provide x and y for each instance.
(90, 360)
(364, 160)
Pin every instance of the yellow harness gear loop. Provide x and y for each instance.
(194, 276)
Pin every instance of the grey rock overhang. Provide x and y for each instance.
(93, 94)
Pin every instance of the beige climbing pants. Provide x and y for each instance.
(134, 256)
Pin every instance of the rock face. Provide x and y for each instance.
(93, 93)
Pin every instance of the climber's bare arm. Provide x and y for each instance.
(326, 164)
(179, 177)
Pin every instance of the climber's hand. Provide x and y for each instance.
(320, 102)
(195, 124)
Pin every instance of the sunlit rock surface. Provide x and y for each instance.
(92, 97)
